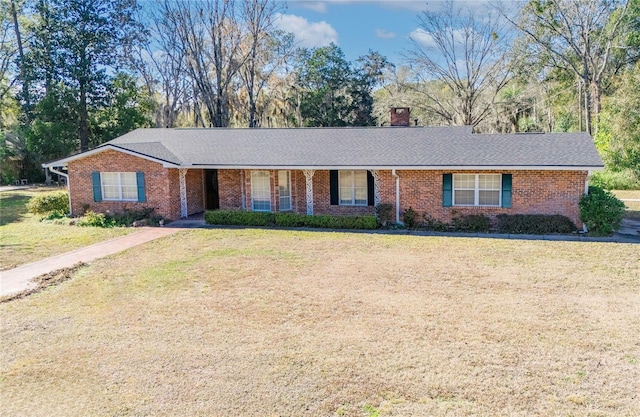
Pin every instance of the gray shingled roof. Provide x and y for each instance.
(419, 147)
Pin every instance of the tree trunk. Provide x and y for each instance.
(586, 77)
(23, 71)
(83, 113)
(595, 98)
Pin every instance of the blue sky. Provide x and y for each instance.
(359, 25)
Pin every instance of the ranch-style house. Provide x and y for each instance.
(439, 171)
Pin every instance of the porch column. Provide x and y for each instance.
(243, 193)
(182, 172)
(376, 186)
(308, 175)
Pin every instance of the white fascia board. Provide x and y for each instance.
(406, 168)
(65, 161)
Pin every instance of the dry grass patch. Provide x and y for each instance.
(633, 207)
(267, 323)
(24, 239)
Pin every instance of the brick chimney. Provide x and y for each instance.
(400, 116)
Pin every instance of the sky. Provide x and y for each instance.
(385, 26)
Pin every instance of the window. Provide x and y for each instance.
(477, 189)
(284, 188)
(121, 186)
(260, 191)
(352, 188)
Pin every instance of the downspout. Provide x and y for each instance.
(586, 191)
(393, 172)
(66, 176)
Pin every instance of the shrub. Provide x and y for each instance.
(46, 203)
(601, 211)
(129, 216)
(384, 211)
(289, 220)
(537, 224)
(472, 223)
(615, 180)
(435, 225)
(409, 218)
(53, 215)
(239, 218)
(252, 218)
(93, 219)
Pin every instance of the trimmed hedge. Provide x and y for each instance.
(254, 218)
(472, 223)
(535, 224)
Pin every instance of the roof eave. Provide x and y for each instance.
(407, 167)
(64, 161)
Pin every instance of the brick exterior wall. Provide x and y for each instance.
(322, 199)
(195, 191)
(230, 188)
(533, 192)
(157, 183)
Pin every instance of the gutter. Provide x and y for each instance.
(393, 172)
(55, 171)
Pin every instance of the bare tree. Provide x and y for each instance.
(163, 69)
(209, 39)
(266, 48)
(578, 37)
(463, 56)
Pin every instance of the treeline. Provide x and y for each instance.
(77, 73)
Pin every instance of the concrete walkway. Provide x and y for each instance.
(21, 278)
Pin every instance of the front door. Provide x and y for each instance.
(211, 189)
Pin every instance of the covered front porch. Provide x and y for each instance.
(303, 191)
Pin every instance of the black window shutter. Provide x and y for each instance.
(370, 190)
(333, 187)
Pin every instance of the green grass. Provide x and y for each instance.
(267, 322)
(24, 239)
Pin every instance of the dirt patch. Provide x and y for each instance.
(45, 281)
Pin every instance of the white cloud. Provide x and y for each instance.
(383, 34)
(316, 6)
(423, 38)
(307, 34)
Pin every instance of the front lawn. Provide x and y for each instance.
(24, 239)
(267, 323)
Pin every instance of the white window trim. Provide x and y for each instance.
(253, 201)
(280, 207)
(353, 188)
(476, 192)
(120, 197)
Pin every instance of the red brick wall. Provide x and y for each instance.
(173, 193)
(195, 191)
(322, 199)
(534, 192)
(229, 188)
(157, 183)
